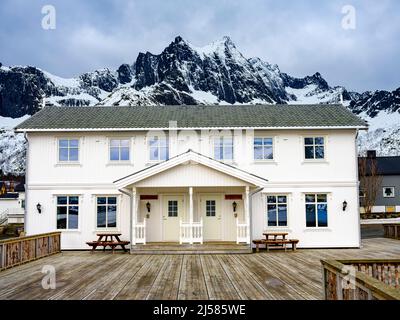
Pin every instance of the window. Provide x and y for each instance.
(67, 212)
(277, 210)
(23, 203)
(223, 148)
(68, 150)
(172, 208)
(106, 212)
(263, 149)
(119, 149)
(388, 192)
(316, 210)
(314, 148)
(159, 149)
(361, 193)
(210, 208)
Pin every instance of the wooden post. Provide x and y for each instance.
(191, 213)
(134, 216)
(247, 213)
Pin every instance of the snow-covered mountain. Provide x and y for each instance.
(186, 74)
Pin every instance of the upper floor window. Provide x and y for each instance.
(277, 210)
(159, 149)
(317, 210)
(67, 212)
(314, 148)
(119, 149)
(223, 148)
(388, 192)
(68, 150)
(106, 212)
(263, 149)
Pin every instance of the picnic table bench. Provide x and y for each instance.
(278, 241)
(108, 242)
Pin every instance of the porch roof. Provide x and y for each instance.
(192, 156)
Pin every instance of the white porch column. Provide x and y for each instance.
(191, 213)
(134, 215)
(247, 213)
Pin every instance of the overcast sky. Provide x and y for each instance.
(302, 37)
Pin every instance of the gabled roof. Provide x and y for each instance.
(388, 166)
(190, 155)
(191, 117)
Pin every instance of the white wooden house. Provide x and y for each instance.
(194, 174)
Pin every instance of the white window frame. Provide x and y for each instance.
(168, 144)
(273, 149)
(214, 138)
(58, 150)
(266, 226)
(117, 216)
(116, 162)
(393, 194)
(67, 205)
(313, 136)
(316, 210)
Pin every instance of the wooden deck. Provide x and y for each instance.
(265, 275)
(176, 248)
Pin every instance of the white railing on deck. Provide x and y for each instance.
(191, 232)
(243, 233)
(139, 235)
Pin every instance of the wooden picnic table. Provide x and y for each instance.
(275, 235)
(111, 240)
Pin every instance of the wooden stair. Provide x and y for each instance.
(176, 248)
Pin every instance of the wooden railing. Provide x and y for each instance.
(191, 232)
(242, 233)
(391, 231)
(361, 279)
(139, 235)
(20, 250)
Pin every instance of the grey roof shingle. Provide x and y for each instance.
(199, 116)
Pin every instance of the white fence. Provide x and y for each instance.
(191, 232)
(139, 233)
(243, 233)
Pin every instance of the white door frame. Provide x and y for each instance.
(162, 208)
(219, 198)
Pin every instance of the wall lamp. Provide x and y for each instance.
(344, 205)
(234, 206)
(148, 206)
(39, 208)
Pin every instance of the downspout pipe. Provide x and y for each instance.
(129, 194)
(358, 192)
(251, 194)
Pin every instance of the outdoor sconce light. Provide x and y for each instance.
(344, 205)
(148, 206)
(234, 206)
(39, 208)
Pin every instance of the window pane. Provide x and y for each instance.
(163, 142)
(114, 154)
(309, 152)
(73, 217)
(268, 153)
(112, 217)
(124, 143)
(310, 215)
(73, 200)
(114, 143)
(101, 200)
(282, 215)
(271, 199)
(101, 216)
(63, 154)
(322, 215)
(271, 214)
(61, 200)
(268, 141)
(228, 152)
(258, 153)
(321, 197)
(319, 152)
(112, 200)
(124, 153)
(310, 197)
(61, 217)
(73, 143)
(163, 153)
(73, 154)
(308, 141)
(282, 199)
(153, 141)
(319, 140)
(63, 143)
(218, 151)
(258, 141)
(153, 153)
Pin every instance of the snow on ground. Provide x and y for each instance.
(203, 96)
(9, 123)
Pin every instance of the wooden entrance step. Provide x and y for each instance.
(205, 248)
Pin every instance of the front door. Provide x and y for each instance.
(173, 211)
(211, 213)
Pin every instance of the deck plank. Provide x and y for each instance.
(192, 285)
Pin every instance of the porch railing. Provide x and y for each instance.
(242, 233)
(392, 230)
(139, 233)
(191, 232)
